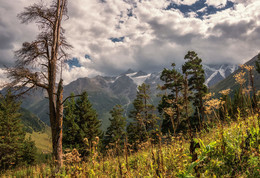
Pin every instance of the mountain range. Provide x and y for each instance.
(107, 91)
(229, 82)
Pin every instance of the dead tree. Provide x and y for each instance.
(38, 62)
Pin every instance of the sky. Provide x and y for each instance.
(111, 36)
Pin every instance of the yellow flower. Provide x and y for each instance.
(246, 90)
(208, 96)
(239, 77)
(247, 67)
(169, 111)
(225, 92)
(170, 101)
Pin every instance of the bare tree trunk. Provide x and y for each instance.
(56, 118)
(56, 108)
(47, 51)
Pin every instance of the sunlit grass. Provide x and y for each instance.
(227, 150)
(42, 140)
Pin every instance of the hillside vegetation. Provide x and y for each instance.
(31, 122)
(228, 150)
(197, 134)
(42, 140)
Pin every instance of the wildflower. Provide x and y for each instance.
(170, 101)
(169, 111)
(212, 104)
(225, 92)
(247, 67)
(246, 90)
(208, 110)
(97, 139)
(239, 77)
(208, 96)
(85, 140)
(72, 157)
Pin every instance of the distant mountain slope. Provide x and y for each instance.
(105, 91)
(31, 122)
(216, 73)
(229, 82)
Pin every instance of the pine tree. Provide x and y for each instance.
(29, 151)
(170, 105)
(88, 121)
(14, 149)
(144, 117)
(193, 69)
(80, 123)
(116, 130)
(70, 126)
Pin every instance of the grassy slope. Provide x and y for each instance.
(42, 140)
(173, 159)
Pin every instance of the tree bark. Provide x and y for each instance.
(56, 95)
(56, 106)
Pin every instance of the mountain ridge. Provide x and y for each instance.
(106, 91)
(230, 82)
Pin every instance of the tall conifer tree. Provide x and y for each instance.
(14, 149)
(81, 122)
(87, 119)
(170, 104)
(143, 115)
(70, 126)
(116, 130)
(194, 70)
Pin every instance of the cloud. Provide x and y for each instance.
(118, 35)
(78, 72)
(12, 33)
(217, 3)
(184, 2)
(3, 79)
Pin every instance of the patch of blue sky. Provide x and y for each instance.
(73, 62)
(200, 7)
(87, 56)
(119, 39)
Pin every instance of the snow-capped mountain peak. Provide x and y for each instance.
(138, 77)
(216, 73)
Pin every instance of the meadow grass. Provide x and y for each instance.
(226, 150)
(42, 140)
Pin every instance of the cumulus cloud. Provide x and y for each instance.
(217, 3)
(184, 2)
(78, 72)
(151, 36)
(12, 33)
